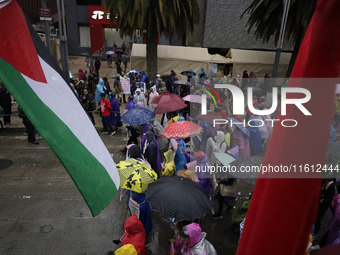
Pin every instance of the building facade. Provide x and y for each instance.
(220, 27)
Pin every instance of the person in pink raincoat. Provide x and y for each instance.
(152, 95)
(193, 241)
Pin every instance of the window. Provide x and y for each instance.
(84, 36)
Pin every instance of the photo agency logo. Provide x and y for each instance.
(238, 105)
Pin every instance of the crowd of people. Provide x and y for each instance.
(186, 157)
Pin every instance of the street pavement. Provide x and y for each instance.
(42, 212)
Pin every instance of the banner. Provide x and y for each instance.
(125, 85)
(141, 86)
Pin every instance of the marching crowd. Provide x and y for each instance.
(185, 156)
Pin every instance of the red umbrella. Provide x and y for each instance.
(182, 129)
(168, 102)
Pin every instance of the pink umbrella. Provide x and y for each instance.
(168, 103)
(182, 129)
(193, 98)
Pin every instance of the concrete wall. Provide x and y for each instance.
(75, 16)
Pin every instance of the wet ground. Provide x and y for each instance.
(42, 212)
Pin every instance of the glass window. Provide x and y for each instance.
(84, 36)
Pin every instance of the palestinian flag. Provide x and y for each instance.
(34, 79)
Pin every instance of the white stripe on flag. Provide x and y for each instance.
(57, 96)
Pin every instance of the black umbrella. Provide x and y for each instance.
(188, 73)
(179, 198)
(181, 82)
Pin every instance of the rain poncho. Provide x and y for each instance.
(163, 143)
(219, 145)
(180, 159)
(169, 166)
(139, 98)
(202, 73)
(152, 95)
(99, 89)
(198, 244)
(81, 75)
(115, 112)
(135, 234)
(172, 120)
(144, 210)
(130, 105)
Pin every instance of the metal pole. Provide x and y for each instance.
(63, 39)
(281, 35)
(47, 28)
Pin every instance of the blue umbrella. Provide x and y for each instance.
(137, 116)
(240, 126)
(132, 72)
(110, 52)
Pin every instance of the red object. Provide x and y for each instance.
(98, 20)
(329, 250)
(182, 129)
(97, 37)
(282, 211)
(135, 234)
(98, 16)
(168, 102)
(12, 49)
(105, 107)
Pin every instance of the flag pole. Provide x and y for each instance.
(63, 39)
(47, 28)
(281, 35)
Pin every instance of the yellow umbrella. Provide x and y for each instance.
(135, 175)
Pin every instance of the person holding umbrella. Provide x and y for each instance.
(136, 201)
